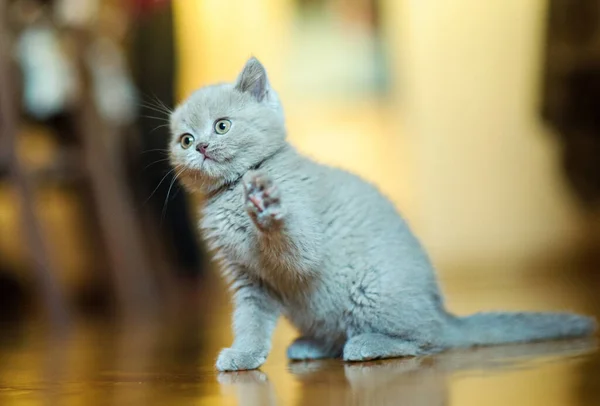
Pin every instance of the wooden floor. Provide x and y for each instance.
(169, 361)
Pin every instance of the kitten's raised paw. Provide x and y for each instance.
(231, 359)
(262, 200)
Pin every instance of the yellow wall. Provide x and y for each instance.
(487, 176)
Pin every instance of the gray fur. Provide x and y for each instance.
(318, 245)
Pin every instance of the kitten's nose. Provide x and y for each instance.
(202, 148)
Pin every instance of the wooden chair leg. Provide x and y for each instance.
(53, 299)
(133, 272)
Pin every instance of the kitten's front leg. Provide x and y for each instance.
(262, 201)
(254, 319)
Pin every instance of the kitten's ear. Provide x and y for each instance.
(253, 80)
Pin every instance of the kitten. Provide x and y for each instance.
(316, 244)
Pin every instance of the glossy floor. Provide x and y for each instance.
(170, 361)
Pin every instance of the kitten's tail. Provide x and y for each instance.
(505, 328)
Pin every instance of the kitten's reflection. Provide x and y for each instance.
(410, 381)
(253, 387)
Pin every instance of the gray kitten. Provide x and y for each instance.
(317, 244)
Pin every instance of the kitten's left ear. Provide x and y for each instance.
(253, 80)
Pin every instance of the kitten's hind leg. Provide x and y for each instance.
(306, 348)
(365, 347)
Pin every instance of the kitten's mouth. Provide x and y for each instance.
(207, 157)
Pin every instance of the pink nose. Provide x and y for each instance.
(202, 148)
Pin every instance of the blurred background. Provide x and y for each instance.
(479, 119)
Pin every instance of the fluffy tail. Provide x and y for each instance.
(504, 328)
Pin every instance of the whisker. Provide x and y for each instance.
(157, 186)
(162, 105)
(151, 97)
(155, 162)
(166, 151)
(154, 101)
(156, 118)
(176, 192)
(157, 105)
(166, 203)
(157, 127)
(156, 109)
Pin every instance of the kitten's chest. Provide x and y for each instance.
(234, 239)
(225, 226)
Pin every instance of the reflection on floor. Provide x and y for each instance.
(170, 361)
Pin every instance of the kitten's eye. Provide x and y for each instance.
(186, 141)
(222, 126)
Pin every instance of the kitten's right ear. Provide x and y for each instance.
(253, 80)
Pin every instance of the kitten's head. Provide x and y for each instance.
(223, 130)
